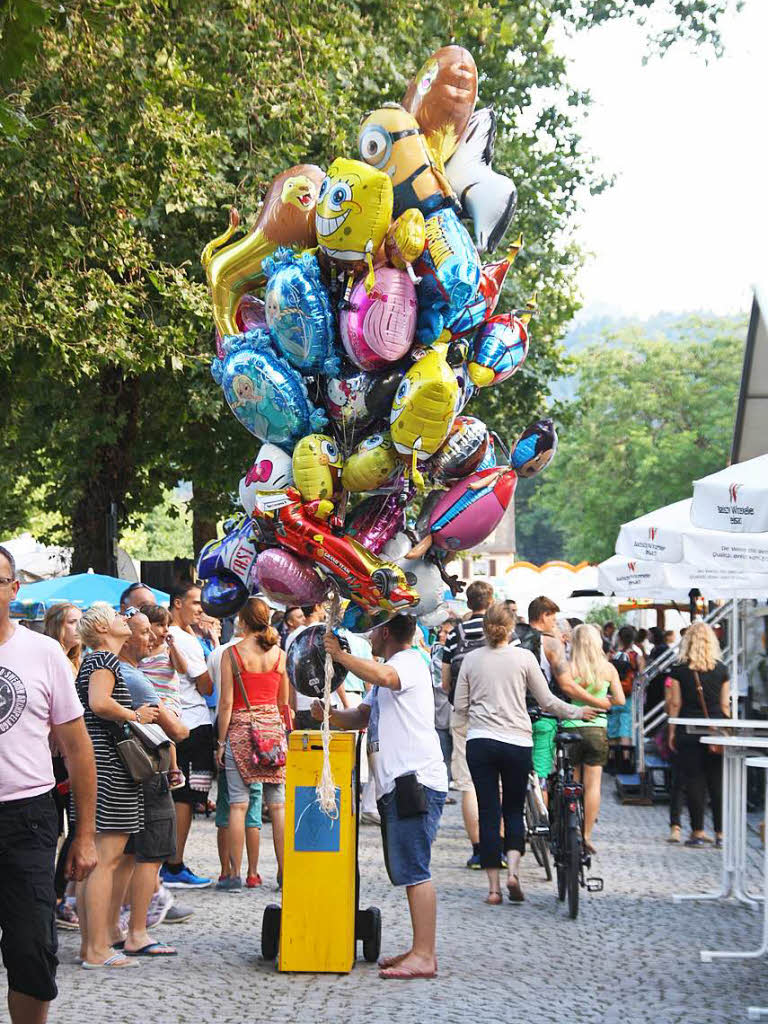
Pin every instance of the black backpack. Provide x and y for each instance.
(463, 646)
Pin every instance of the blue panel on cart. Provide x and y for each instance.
(313, 830)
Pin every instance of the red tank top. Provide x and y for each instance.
(261, 687)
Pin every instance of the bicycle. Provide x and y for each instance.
(537, 824)
(567, 828)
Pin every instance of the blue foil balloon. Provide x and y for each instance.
(499, 349)
(266, 395)
(299, 313)
(535, 448)
(449, 268)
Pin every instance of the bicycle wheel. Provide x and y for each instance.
(538, 843)
(573, 868)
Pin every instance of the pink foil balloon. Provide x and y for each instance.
(378, 328)
(288, 579)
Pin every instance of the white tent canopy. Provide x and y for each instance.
(671, 581)
(668, 535)
(734, 500)
(35, 561)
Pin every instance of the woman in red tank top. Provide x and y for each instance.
(253, 669)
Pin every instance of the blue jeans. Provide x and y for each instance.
(408, 841)
(489, 761)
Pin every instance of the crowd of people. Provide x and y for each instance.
(475, 712)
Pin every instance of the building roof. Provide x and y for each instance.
(750, 434)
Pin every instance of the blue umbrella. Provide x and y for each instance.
(34, 599)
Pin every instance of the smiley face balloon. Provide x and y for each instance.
(317, 465)
(424, 406)
(372, 465)
(354, 208)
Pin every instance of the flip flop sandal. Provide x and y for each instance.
(116, 962)
(153, 949)
(119, 945)
(391, 961)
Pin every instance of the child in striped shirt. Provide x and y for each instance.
(161, 667)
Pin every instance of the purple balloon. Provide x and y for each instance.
(377, 521)
(288, 579)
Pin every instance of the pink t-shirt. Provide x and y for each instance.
(37, 691)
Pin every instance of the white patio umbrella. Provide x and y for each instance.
(735, 499)
(671, 581)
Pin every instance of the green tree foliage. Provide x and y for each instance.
(163, 533)
(145, 120)
(650, 417)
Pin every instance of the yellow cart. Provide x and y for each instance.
(319, 923)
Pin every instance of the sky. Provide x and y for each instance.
(684, 227)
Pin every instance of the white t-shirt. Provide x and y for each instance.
(194, 710)
(305, 703)
(402, 723)
(37, 691)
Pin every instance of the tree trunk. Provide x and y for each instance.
(204, 519)
(111, 469)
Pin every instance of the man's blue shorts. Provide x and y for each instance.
(253, 815)
(408, 841)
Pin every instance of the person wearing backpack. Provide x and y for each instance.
(467, 636)
(628, 661)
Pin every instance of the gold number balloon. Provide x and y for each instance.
(287, 217)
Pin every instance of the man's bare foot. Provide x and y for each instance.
(411, 966)
(390, 961)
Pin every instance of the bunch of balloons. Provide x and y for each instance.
(374, 326)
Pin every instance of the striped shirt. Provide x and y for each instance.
(473, 631)
(159, 669)
(119, 800)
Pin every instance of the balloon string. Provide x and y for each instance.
(326, 787)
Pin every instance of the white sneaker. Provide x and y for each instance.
(159, 906)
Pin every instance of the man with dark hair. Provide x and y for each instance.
(467, 636)
(135, 596)
(542, 637)
(609, 628)
(194, 754)
(157, 841)
(38, 701)
(411, 781)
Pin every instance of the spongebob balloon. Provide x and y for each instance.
(372, 465)
(317, 465)
(424, 408)
(354, 209)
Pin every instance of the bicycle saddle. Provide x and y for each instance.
(568, 737)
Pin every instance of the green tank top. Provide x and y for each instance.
(597, 690)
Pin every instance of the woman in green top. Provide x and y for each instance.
(592, 670)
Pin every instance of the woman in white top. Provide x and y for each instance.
(490, 698)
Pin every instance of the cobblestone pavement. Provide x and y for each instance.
(632, 956)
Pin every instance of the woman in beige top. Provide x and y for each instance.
(490, 699)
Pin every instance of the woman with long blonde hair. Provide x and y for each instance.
(591, 670)
(699, 688)
(60, 622)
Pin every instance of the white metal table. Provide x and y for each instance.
(748, 736)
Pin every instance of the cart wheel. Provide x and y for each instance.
(372, 937)
(270, 931)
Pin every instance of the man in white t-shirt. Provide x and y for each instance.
(411, 780)
(194, 754)
(37, 700)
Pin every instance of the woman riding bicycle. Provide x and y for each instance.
(592, 670)
(490, 698)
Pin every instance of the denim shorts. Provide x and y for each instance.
(273, 793)
(253, 814)
(408, 841)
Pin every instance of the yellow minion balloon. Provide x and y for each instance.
(424, 408)
(390, 138)
(371, 465)
(317, 464)
(354, 209)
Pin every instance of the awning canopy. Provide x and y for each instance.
(34, 599)
(641, 579)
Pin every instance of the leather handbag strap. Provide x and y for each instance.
(700, 692)
(239, 678)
